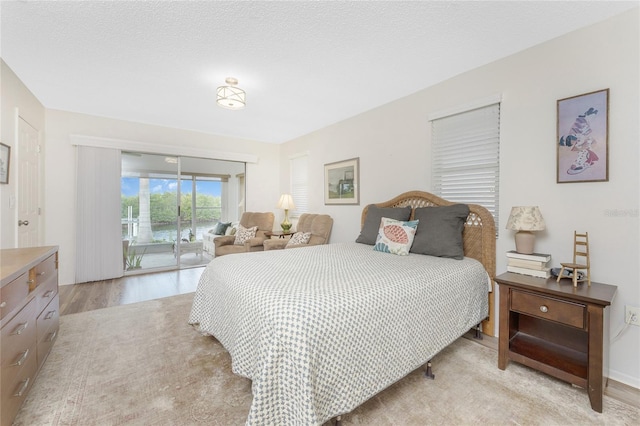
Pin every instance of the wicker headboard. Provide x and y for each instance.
(479, 235)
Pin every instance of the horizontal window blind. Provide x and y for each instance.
(466, 157)
(300, 185)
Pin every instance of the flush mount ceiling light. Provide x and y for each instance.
(230, 96)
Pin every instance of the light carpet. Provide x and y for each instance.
(142, 364)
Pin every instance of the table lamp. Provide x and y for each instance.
(525, 219)
(286, 203)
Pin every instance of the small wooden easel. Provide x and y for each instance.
(580, 249)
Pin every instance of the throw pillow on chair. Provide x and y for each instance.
(220, 228)
(299, 238)
(244, 234)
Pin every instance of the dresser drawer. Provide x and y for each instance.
(16, 382)
(45, 345)
(19, 367)
(19, 334)
(46, 291)
(13, 294)
(46, 269)
(548, 308)
(48, 318)
(47, 326)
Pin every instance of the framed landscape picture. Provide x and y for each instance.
(342, 182)
(5, 158)
(583, 138)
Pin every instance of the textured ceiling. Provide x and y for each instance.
(304, 65)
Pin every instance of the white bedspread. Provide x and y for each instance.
(319, 330)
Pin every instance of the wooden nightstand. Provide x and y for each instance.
(557, 329)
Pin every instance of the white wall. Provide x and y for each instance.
(393, 143)
(60, 213)
(15, 96)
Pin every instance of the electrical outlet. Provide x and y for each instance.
(632, 315)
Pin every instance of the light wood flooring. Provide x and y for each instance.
(138, 288)
(130, 289)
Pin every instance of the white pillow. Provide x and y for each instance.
(299, 238)
(232, 229)
(244, 234)
(395, 236)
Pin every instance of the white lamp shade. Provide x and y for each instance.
(286, 202)
(526, 218)
(231, 97)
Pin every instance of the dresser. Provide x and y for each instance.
(29, 319)
(556, 328)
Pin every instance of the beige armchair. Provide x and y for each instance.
(318, 224)
(264, 222)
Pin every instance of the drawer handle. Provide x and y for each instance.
(544, 308)
(41, 273)
(31, 281)
(3, 304)
(53, 336)
(22, 359)
(48, 294)
(49, 315)
(22, 327)
(25, 384)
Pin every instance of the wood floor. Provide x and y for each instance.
(138, 288)
(131, 289)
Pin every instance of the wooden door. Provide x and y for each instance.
(28, 184)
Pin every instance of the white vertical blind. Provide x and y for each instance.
(466, 157)
(99, 228)
(300, 184)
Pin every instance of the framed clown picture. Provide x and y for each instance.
(583, 138)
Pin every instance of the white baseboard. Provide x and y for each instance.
(624, 378)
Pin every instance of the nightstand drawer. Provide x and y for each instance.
(564, 312)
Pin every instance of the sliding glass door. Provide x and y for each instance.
(149, 211)
(168, 205)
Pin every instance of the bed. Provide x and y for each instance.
(322, 329)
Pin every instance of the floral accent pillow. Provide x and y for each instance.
(299, 238)
(395, 236)
(244, 234)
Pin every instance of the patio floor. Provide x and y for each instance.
(164, 259)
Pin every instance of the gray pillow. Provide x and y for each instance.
(439, 231)
(369, 231)
(221, 227)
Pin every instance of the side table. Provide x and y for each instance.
(279, 234)
(556, 328)
(191, 247)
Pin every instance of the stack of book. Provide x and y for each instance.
(534, 264)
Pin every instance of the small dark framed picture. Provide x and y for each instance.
(342, 182)
(583, 138)
(5, 158)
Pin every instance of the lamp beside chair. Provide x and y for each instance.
(286, 203)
